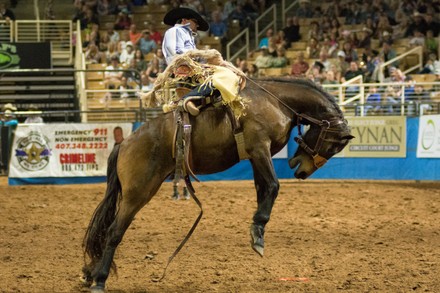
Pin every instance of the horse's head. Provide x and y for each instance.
(322, 141)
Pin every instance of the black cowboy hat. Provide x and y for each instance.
(175, 14)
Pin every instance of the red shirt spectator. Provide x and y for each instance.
(300, 67)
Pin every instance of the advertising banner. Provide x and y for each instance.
(377, 137)
(428, 142)
(25, 56)
(64, 150)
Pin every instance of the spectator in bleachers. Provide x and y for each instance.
(352, 72)
(366, 12)
(280, 60)
(272, 48)
(122, 5)
(329, 77)
(241, 16)
(304, 10)
(370, 61)
(323, 59)
(400, 30)
(111, 33)
(417, 39)
(432, 25)
(153, 70)
(353, 12)
(332, 44)
(373, 101)
(123, 87)
(315, 31)
(300, 66)
(365, 39)
(201, 9)
(93, 55)
(112, 49)
(106, 7)
(218, 28)
(382, 25)
(370, 24)
(264, 60)
(125, 37)
(313, 48)
(134, 34)
(417, 22)
(155, 35)
(159, 58)
(146, 44)
(132, 75)
(421, 98)
(103, 42)
(92, 36)
(280, 39)
(431, 64)
(127, 54)
(291, 31)
(123, 20)
(34, 117)
(88, 18)
(386, 37)
(253, 71)
(252, 9)
(431, 43)
(340, 64)
(6, 13)
(315, 73)
(243, 65)
(387, 53)
(146, 84)
(112, 75)
(228, 7)
(141, 63)
(350, 52)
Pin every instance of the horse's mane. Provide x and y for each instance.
(303, 82)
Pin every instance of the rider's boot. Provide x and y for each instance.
(191, 108)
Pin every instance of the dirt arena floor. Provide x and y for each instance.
(324, 236)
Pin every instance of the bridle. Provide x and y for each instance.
(326, 126)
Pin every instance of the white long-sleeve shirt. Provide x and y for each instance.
(177, 40)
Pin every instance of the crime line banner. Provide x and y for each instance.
(377, 137)
(428, 141)
(64, 150)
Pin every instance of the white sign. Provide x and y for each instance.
(64, 150)
(428, 142)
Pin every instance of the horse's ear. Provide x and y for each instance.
(348, 136)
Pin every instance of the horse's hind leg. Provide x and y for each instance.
(132, 201)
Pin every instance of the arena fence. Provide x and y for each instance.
(58, 32)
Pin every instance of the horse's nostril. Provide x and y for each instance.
(301, 175)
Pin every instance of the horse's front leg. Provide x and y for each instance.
(267, 186)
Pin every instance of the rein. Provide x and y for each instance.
(325, 126)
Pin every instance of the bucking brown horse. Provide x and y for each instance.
(138, 166)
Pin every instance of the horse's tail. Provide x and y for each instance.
(104, 215)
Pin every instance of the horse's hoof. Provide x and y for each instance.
(257, 235)
(175, 197)
(258, 249)
(97, 289)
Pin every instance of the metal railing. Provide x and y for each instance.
(270, 24)
(57, 32)
(418, 51)
(237, 40)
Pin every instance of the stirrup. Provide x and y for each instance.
(189, 107)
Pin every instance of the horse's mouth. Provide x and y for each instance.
(298, 163)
